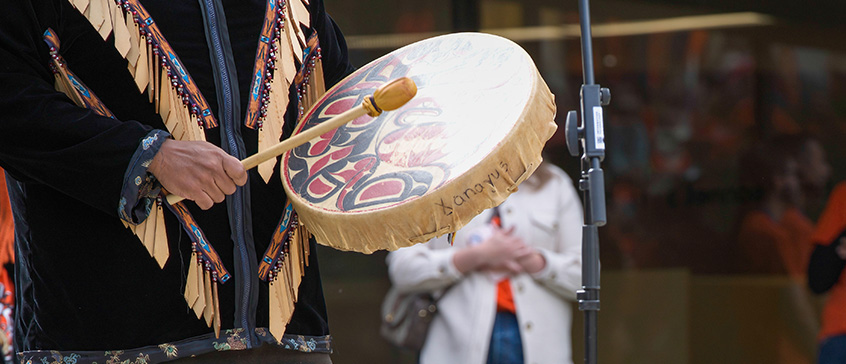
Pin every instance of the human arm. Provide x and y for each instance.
(562, 270)
(826, 264)
(501, 251)
(99, 160)
(46, 139)
(829, 255)
(423, 267)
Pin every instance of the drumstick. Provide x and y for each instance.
(390, 96)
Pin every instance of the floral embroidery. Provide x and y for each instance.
(300, 343)
(306, 344)
(233, 342)
(148, 141)
(231, 339)
(221, 346)
(140, 188)
(236, 342)
(170, 350)
(115, 359)
(141, 359)
(57, 357)
(122, 209)
(70, 359)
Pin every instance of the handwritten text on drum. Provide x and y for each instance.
(470, 193)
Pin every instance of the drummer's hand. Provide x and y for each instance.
(198, 171)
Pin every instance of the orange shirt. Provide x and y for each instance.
(7, 227)
(504, 296)
(776, 247)
(831, 224)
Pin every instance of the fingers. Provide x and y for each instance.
(203, 201)
(509, 266)
(199, 171)
(224, 184)
(522, 252)
(513, 267)
(235, 171)
(215, 193)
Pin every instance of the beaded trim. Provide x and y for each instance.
(180, 80)
(265, 66)
(280, 243)
(207, 256)
(72, 85)
(312, 59)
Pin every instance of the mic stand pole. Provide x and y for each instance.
(591, 136)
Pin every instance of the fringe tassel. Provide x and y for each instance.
(201, 292)
(193, 286)
(284, 288)
(167, 85)
(151, 232)
(313, 87)
(67, 82)
(271, 130)
(204, 273)
(288, 252)
(138, 40)
(283, 266)
(279, 51)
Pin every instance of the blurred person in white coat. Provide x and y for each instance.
(507, 279)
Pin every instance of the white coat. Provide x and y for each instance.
(549, 219)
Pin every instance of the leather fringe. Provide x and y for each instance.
(151, 232)
(283, 266)
(204, 273)
(185, 113)
(151, 61)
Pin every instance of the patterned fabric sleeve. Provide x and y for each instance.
(140, 188)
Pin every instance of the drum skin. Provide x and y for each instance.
(474, 131)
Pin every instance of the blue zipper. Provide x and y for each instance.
(231, 147)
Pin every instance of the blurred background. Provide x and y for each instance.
(702, 93)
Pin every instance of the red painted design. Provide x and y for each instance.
(319, 188)
(338, 107)
(415, 146)
(382, 189)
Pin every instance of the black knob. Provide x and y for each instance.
(604, 96)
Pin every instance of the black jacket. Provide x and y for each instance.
(84, 282)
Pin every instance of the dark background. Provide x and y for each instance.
(686, 105)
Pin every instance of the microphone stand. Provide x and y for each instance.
(591, 136)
